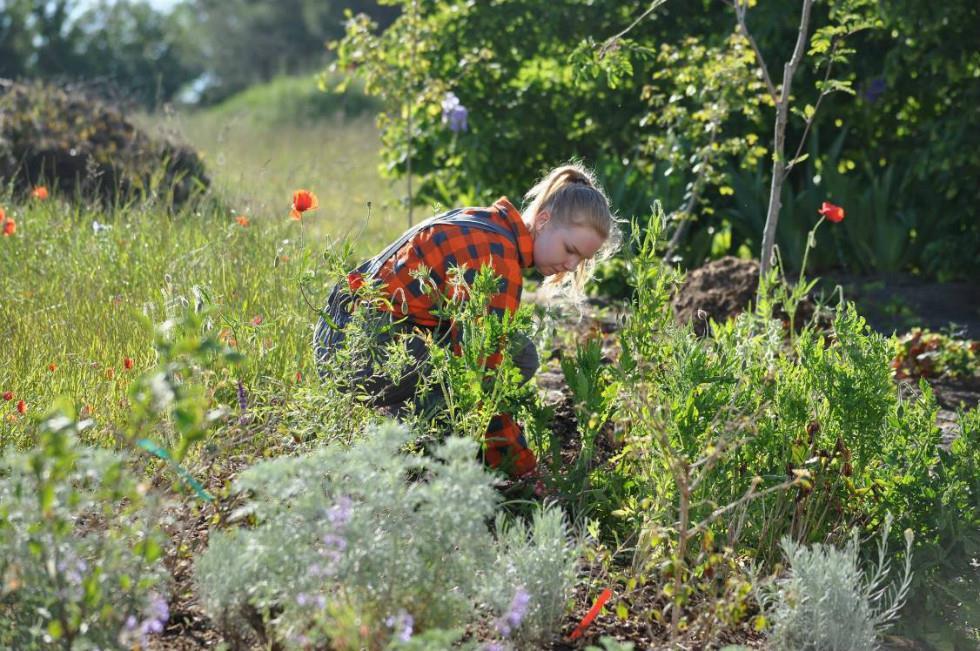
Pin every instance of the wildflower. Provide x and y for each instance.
(9, 227)
(242, 398)
(257, 320)
(39, 192)
(339, 514)
(874, 90)
(8, 395)
(591, 615)
(128, 363)
(110, 373)
(402, 624)
(52, 367)
(831, 212)
(98, 228)
(299, 377)
(242, 221)
(157, 616)
(303, 200)
(21, 407)
(454, 113)
(515, 613)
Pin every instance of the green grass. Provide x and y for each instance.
(84, 301)
(258, 152)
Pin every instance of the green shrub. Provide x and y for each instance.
(80, 555)
(344, 548)
(828, 603)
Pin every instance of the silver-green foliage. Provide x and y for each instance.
(398, 543)
(80, 558)
(828, 603)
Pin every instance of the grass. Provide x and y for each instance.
(83, 300)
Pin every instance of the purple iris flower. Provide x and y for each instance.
(454, 113)
(875, 89)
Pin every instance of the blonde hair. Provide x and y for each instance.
(573, 196)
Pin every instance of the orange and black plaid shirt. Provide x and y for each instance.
(444, 246)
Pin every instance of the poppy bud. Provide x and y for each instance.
(8, 395)
(831, 212)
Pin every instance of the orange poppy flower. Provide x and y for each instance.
(303, 200)
(242, 221)
(110, 373)
(21, 407)
(128, 363)
(40, 192)
(52, 367)
(9, 227)
(3, 215)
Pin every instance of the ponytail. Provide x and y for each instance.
(572, 196)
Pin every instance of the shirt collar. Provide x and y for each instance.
(525, 243)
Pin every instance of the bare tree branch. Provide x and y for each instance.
(740, 7)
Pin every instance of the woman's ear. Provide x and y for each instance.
(540, 219)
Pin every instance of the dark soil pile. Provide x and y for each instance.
(69, 141)
(719, 290)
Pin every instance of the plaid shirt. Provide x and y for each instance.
(442, 247)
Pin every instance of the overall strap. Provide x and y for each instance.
(457, 217)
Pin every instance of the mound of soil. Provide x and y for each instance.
(67, 140)
(719, 290)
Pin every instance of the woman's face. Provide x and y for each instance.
(561, 247)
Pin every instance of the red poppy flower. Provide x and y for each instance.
(831, 212)
(128, 363)
(242, 221)
(303, 200)
(3, 215)
(21, 407)
(52, 367)
(9, 227)
(40, 192)
(8, 395)
(299, 376)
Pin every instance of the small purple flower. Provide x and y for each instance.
(242, 400)
(339, 514)
(402, 624)
(454, 113)
(492, 646)
(157, 615)
(515, 613)
(302, 599)
(875, 89)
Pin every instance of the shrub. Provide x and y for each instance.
(346, 549)
(826, 603)
(79, 554)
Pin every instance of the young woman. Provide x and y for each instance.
(566, 225)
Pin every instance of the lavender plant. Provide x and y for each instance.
(828, 603)
(345, 549)
(80, 557)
